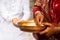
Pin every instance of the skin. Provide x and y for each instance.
(15, 21)
(50, 30)
(38, 18)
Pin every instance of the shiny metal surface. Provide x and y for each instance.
(30, 26)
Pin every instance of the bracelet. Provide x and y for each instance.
(36, 14)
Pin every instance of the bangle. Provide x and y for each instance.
(36, 14)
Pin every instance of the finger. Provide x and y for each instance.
(41, 24)
(44, 32)
(49, 24)
(35, 35)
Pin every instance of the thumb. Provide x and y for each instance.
(44, 32)
(48, 24)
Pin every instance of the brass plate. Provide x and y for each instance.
(30, 26)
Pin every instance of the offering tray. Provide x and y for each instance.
(30, 26)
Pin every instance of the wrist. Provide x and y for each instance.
(57, 30)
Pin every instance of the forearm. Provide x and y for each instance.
(57, 29)
(36, 20)
(38, 17)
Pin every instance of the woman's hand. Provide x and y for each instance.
(50, 30)
(38, 18)
(15, 21)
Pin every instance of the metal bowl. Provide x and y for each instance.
(29, 26)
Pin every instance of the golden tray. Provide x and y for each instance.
(30, 26)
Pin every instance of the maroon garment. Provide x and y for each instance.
(36, 35)
(38, 8)
(57, 9)
(35, 9)
(54, 12)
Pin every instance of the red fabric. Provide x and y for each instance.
(57, 9)
(55, 12)
(52, 13)
(36, 9)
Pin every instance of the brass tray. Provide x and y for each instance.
(30, 26)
